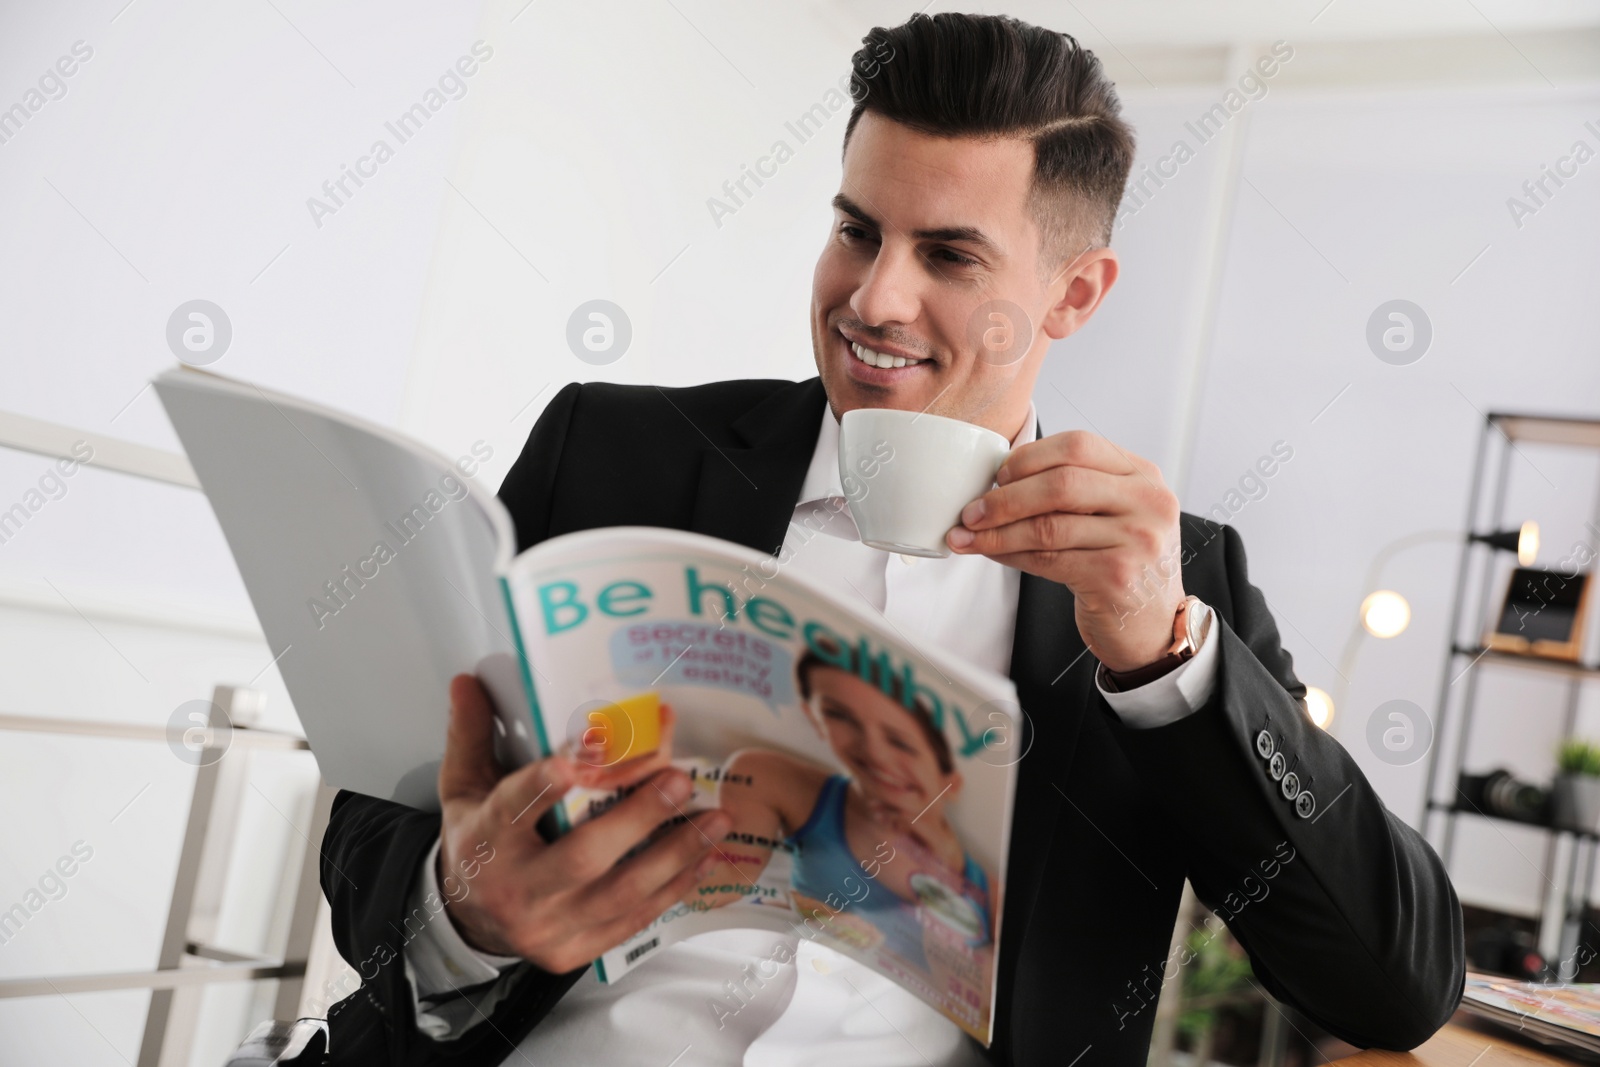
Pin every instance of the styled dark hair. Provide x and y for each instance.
(918, 708)
(993, 76)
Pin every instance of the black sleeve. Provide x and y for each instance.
(373, 849)
(1346, 912)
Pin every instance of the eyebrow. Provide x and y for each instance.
(964, 234)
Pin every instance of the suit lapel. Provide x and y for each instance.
(747, 494)
(1053, 672)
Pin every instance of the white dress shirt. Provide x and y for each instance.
(820, 1007)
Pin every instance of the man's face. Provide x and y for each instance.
(929, 236)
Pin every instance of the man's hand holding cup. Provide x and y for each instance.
(1076, 509)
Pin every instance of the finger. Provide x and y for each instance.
(1080, 490)
(669, 727)
(1055, 532)
(602, 775)
(609, 935)
(594, 847)
(636, 879)
(1087, 571)
(523, 796)
(468, 770)
(1044, 564)
(1078, 448)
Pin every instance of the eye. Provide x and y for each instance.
(851, 231)
(952, 256)
(838, 713)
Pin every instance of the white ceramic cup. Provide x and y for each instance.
(907, 475)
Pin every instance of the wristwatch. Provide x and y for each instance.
(1189, 627)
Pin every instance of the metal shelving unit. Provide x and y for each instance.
(1467, 658)
(188, 959)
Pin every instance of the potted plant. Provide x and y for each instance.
(1575, 800)
(1217, 981)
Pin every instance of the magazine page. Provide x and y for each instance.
(870, 786)
(371, 563)
(1570, 1011)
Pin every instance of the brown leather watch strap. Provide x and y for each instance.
(1122, 681)
(1181, 651)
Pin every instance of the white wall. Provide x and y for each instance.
(178, 165)
(578, 166)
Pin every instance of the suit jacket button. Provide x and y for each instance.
(1276, 766)
(1291, 786)
(1304, 805)
(1264, 745)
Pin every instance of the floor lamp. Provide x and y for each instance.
(1385, 613)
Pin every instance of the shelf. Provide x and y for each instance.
(1457, 809)
(1518, 659)
(1491, 483)
(1549, 429)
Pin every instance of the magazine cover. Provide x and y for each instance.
(870, 780)
(870, 785)
(1562, 1013)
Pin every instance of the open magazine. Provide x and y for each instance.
(870, 785)
(1566, 1014)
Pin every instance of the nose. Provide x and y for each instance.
(889, 293)
(874, 750)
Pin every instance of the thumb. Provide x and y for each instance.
(469, 770)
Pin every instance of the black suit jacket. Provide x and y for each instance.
(1346, 912)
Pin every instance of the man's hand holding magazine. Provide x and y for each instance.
(561, 904)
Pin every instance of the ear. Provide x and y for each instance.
(1078, 290)
(955, 785)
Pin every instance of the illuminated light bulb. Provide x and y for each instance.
(1385, 613)
(1528, 543)
(1319, 705)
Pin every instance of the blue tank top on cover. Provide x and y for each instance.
(824, 862)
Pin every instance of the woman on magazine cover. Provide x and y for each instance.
(875, 859)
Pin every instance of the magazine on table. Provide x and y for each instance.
(1566, 1014)
(870, 780)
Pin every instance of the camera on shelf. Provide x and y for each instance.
(1502, 794)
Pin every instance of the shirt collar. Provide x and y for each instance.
(822, 477)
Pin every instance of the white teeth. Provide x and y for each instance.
(880, 359)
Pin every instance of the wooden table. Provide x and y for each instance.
(1458, 1046)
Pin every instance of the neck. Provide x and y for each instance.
(1007, 420)
(1017, 427)
(1007, 412)
(939, 839)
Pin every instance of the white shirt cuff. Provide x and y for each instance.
(1180, 692)
(441, 960)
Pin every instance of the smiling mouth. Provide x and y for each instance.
(899, 785)
(881, 359)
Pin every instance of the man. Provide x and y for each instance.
(984, 160)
